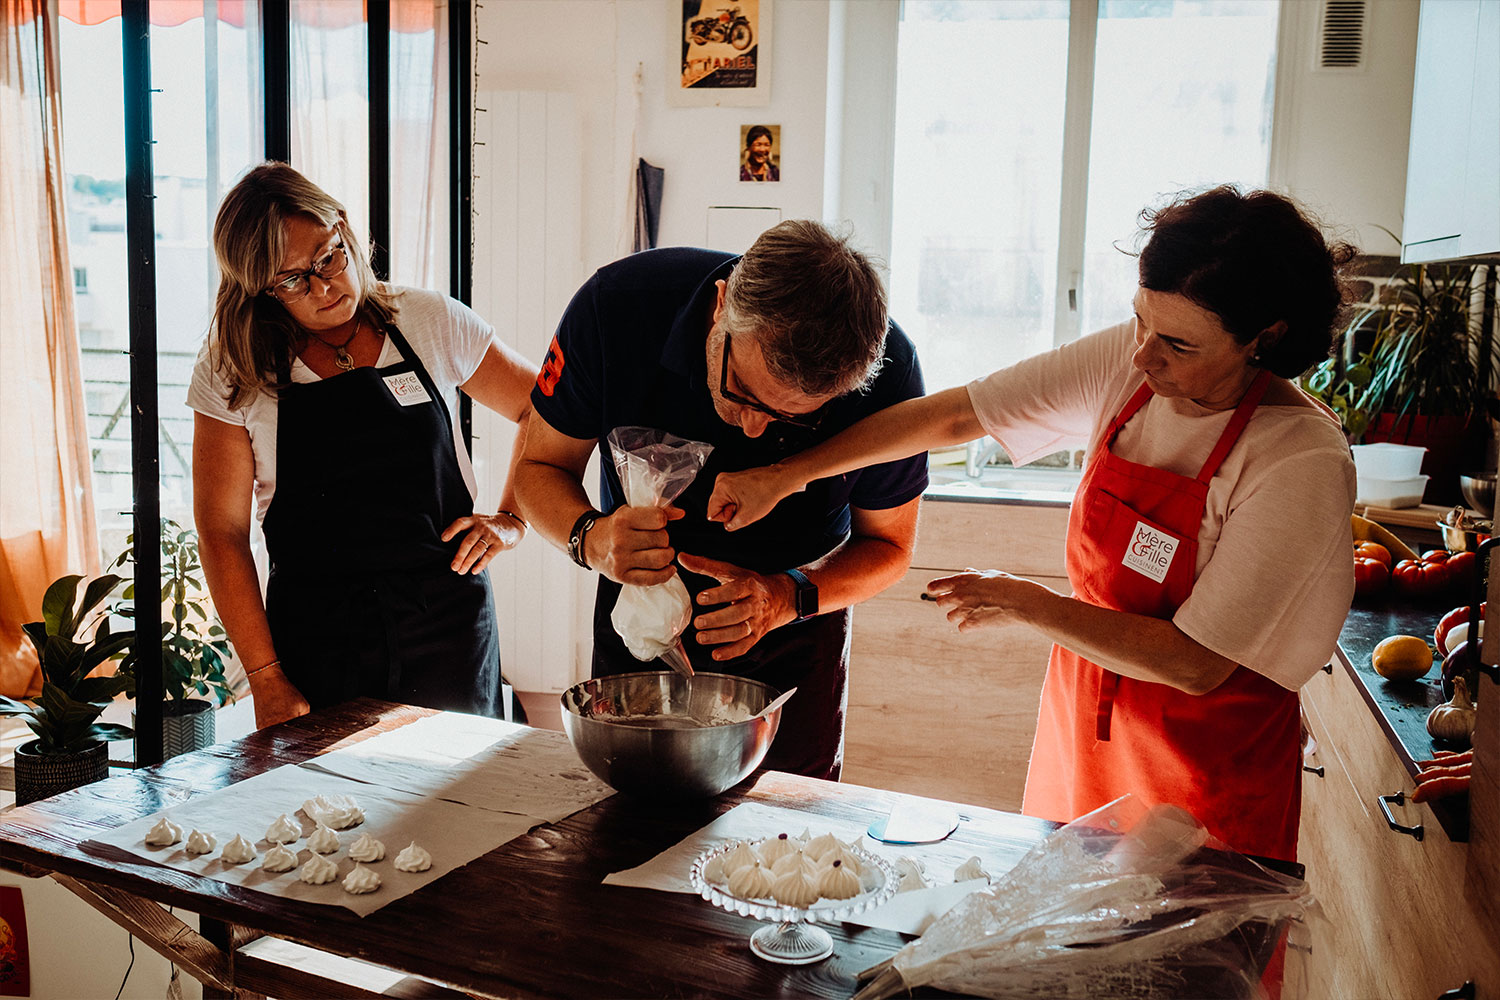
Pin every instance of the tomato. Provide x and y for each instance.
(1461, 567)
(1373, 550)
(1370, 575)
(1414, 578)
(1450, 621)
(1435, 556)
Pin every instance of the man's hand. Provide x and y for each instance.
(755, 605)
(631, 545)
(742, 498)
(975, 599)
(276, 698)
(487, 536)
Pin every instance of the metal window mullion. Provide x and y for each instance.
(378, 59)
(1078, 119)
(276, 78)
(460, 176)
(140, 242)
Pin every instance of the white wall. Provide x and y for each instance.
(1339, 142)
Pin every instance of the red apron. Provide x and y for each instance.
(1230, 757)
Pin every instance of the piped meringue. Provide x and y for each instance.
(238, 851)
(284, 831)
(794, 889)
(337, 811)
(362, 880)
(750, 882)
(318, 870)
(164, 834)
(911, 875)
(792, 862)
(279, 859)
(740, 856)
(199, 842)
(838, 882)
(323, 840)
(775, 848)
(413, 859)
(366, 848)
(820, 845)
(970, 870)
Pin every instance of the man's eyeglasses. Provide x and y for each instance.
(806, 421)
(294, 287)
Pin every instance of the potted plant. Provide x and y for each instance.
(1416, 368)
(72, 642)
(194, 647)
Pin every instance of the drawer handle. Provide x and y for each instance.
(1398, 798)
(1464, 992)
(1328, 667)
(1313, 770)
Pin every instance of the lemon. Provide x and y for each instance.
(1402, 658)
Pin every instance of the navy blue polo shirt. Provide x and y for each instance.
(631, 349)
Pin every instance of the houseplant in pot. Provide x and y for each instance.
(1416, 369)
(194, 646)
(72, 641)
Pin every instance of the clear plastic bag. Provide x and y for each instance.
(654, 468)
(1123, 902)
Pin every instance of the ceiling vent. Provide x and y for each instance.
(1342, 45)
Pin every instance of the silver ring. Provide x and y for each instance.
(486, 542)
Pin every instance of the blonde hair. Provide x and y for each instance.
(253, 337)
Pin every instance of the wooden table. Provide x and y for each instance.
(529, 919)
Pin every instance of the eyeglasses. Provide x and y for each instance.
(806, 421)
(294, 287)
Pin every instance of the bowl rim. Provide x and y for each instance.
(571, 708)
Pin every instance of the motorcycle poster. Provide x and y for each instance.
(724, 48)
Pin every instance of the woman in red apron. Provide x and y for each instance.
(1195, 432)
(323, 407)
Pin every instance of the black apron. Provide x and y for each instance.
(361, 599)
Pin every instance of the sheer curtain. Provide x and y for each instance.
(46, 513)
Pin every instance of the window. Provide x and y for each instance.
(1018, 174)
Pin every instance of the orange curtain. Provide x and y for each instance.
(47, 525)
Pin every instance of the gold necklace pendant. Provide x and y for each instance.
(343, 360)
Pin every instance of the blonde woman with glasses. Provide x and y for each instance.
(324, 404)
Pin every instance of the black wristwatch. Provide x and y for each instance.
(575, 537)
(807, 594)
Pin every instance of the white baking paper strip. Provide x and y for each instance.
(907, 912)
(495, 765)
(453, 833)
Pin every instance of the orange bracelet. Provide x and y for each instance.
(263, 666)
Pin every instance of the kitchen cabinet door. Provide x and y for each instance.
(1453, 159)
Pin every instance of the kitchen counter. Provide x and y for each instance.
(1401, 707)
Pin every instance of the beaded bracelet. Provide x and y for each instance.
(263, 666)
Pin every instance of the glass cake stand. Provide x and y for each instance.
(792, 937)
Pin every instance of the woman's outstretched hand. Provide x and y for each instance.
(742, 498)
(978, 598)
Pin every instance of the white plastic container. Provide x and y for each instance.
(1390, 492)
(1388, 461)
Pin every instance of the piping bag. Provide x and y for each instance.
(654, 468)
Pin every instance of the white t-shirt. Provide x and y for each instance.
(1275, 571)
(448, 337)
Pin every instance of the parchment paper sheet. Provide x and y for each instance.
(454, 834)
(489, 763)
(907, 912)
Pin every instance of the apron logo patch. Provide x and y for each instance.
(1150, 552)
(552, 369)
(407, 388)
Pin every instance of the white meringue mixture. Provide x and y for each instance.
(367, 848)
(323, 840)
(279, 859)
(793, 871)
(284, 830)
(199, 842)
(337, 811)
(362, 880)
(164, 834)
(413, 859)
(318, 870)
(238, 851)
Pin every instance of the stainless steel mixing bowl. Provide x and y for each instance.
(1479, 492)
(653, 733)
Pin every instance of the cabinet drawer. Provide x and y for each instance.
(939, 713)
(1397, 922)
(1025, 540)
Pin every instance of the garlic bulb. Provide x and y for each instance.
(1455, 719)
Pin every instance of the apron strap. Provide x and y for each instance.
(1231, 435)
(1131, 407)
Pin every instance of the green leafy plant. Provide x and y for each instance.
(1418, 354)
(72, 641)
(194, 647)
